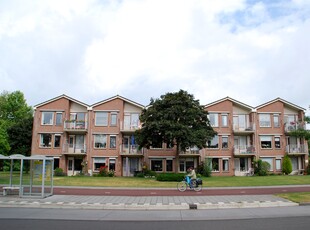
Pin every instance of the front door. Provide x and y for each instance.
(71, 143)
(70, 169)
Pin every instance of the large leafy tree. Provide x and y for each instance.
(15, 124)
(176, 119)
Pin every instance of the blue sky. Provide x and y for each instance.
(252, 51)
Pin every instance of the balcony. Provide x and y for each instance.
(190, 152)
(129, 127)
(244, 150)
(130, 150)
(246, 128)
(74, 149)
(296, 149)
(75, 126)
(293, 126)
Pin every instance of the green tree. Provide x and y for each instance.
(15, 123)
(176, 119)
(287, 166)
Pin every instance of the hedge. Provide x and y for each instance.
(170, 176)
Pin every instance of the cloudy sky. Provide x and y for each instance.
(253, 51)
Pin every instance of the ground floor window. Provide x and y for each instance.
(169, 165)
(78, 164)
(270, 161)
(157, 165)
(99, 162)
(112, 164)
(278, 164)
(186, 163)
(215, 164)
(225, 165)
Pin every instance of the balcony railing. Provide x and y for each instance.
(126, 127)
(244, 149)
(244, 128)
(190, 151)
(292, 149)
(126, 149)
(293, 126)
(75, 125)
(74, 149)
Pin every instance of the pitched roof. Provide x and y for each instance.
(232, 100)
(283, 101)
(118, 97)
(60, 97)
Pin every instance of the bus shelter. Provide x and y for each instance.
(37, 182)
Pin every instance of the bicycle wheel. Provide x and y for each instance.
(198, 187)
(182, 186)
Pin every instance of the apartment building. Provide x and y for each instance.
(246, 134)
(84, 137)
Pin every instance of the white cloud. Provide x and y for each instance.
(92, 50)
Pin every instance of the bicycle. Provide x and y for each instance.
(195, 184)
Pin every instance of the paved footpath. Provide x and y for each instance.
(109, 201)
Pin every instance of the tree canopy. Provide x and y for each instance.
(15, 124)
(176, 119)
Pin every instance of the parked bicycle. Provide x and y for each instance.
(195, 184)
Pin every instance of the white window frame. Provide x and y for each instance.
(224, 120)
(265, 138)
(101, 120)
(270, 161)
(97, 140)
(99, 160)
(51, 120)
(57, 135)
(278, 164)
(110, 146)
(264, 120)
(214, 119)
(42, 145)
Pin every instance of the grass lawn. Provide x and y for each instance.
(152, 183)
(298, 197)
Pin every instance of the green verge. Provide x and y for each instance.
(135, 182)
(298, 197)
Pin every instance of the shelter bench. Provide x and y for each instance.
(6, 189)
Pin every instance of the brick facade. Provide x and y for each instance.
(84, 138)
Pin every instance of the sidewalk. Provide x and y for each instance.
(146, 202)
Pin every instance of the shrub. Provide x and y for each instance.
(170, 177)
(287, 166)
(261, 168)
(308, 169)
(103, 171)
(204, 168)
(58, 172)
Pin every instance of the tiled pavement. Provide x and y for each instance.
(147, 202)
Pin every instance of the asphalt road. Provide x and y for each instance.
(253, 224)
(174, 192)
(252, 218)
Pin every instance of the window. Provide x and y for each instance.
(214, 119)
(214, 143)
(224, 142)
(278, 165)
(270, 161)
(265, 142)
(157, 165)
(215, 164)
(224, 120)
(112, 142)
(47, 118)
(264, 120)
(45, 140)
(99, 162)
(57, 140)
(101, 119)
(112, 164)
(59, 119)
(186, 163)
(277, 142)
(225, 165)
(100, 141)
(276, 120)
(113, 119)
(169, 166)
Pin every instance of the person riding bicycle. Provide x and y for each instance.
(190, 176)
